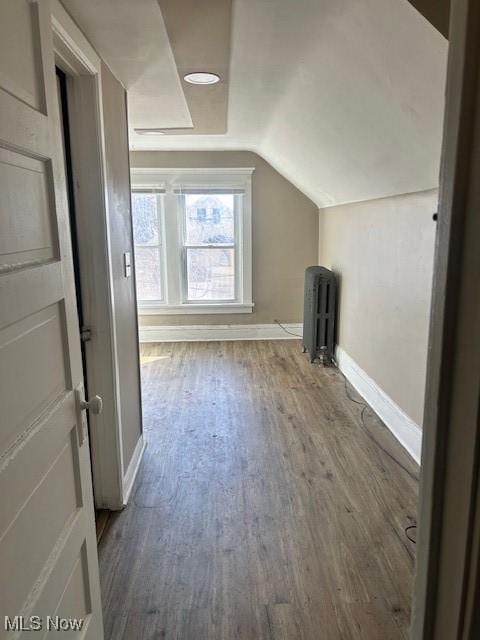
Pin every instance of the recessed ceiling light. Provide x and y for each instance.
(201, 77)
(150, 132)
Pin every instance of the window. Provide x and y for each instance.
(192, 231)
(210, 246)
(147, 234)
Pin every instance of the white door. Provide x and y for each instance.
(48, 554)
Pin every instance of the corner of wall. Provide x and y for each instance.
(321, 222)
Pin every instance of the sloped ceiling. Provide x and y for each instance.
(199, 34)
(344, 97)
(131, 37)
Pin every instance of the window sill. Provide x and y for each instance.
(194, 309)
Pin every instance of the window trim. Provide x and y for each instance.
(174, 254)
(162, 309)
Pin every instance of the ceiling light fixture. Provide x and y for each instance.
(202, 77)
(150, 132)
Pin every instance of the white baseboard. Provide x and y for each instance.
(407, 432)
(211, 332)
(132, 469)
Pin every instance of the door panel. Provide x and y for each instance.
(29, 543)
(47, 530)
(29, 236)
(74, 602)
(25, 347)
(19, 34)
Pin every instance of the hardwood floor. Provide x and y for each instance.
(101, 519)
(262, 510)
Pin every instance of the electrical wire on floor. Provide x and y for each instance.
(365, 406)
(412, 527)
(287, 330)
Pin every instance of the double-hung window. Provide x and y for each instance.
(210, 237)
(147, 205)
(192, 240)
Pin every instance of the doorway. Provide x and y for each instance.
(80, 82)
(101, 515)
(65, 126)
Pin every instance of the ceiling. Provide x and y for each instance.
(435, 11)
(199, 34)
(343, 97)
(131, 37)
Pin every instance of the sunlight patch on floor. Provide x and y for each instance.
(149, 359)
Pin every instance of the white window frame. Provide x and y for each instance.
(172, 181)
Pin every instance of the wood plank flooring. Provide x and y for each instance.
(101, 519)
(262, 510)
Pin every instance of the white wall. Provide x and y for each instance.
(382, 251)
(121, 240)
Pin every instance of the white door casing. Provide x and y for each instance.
(48, 554)
(112, 478)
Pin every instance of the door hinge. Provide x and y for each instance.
(85, 334)
(82, 424)
(94, 405)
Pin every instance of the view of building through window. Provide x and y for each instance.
(210, 246)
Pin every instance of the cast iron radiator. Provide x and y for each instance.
(319, 314)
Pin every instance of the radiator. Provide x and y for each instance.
(319, 314)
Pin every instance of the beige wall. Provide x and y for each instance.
(382, 251)
(118, 179)
(284, 234)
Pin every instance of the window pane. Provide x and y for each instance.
(145, 218)
(209, 218)
(211, 274)
(148, 274)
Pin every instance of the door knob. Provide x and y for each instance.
(95, 405)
